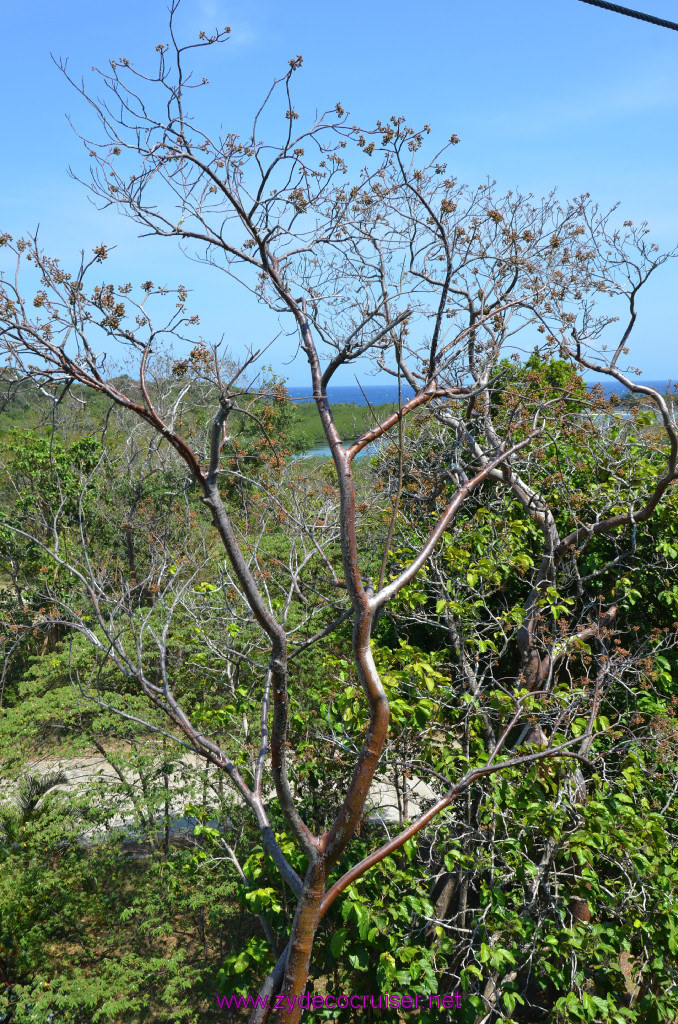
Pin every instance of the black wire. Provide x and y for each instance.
(632, 14)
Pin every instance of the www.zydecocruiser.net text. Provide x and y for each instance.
(383, 1001)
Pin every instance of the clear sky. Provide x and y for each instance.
(542, 93)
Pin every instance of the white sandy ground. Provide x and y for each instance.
(191, 782)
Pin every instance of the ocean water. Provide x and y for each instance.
(380, 394)
(613, 387)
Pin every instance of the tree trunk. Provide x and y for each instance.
(300, 946)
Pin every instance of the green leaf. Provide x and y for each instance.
(387, 967)
(338, 941)
(359, 958)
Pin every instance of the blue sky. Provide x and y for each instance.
(542, 93)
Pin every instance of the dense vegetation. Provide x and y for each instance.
(299, 419)
(547, 894)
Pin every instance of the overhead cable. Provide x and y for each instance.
(632, 14)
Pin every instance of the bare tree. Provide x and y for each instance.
(434, 282)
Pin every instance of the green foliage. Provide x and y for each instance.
(482, 903)
(92, 935)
